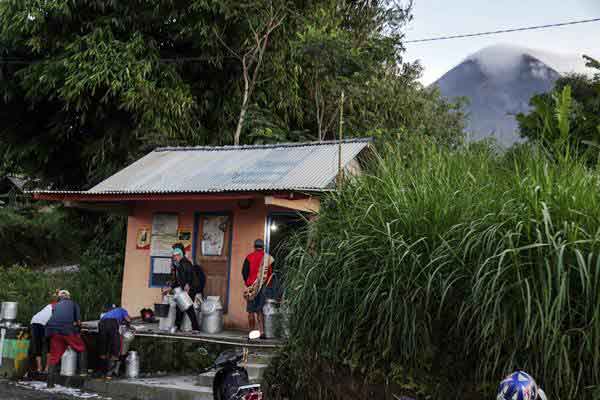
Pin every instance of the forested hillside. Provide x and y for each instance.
(89, 86)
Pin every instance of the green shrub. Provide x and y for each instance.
(463, 263)
(97, 283)
(34, 237)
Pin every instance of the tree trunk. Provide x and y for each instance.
(318, 112)
(240, 124)
(252, 62)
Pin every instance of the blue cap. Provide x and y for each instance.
(177, 250)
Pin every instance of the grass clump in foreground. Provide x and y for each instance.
(461, 265)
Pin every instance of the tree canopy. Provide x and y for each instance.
(88, 86)
(567, 116)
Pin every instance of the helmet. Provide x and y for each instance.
(259, 244)
(517, 386)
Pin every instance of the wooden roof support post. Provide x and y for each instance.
(310, 204)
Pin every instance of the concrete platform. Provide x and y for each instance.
(168, 387)
(36, 390)
(227, 337)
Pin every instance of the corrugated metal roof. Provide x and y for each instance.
(290, 166)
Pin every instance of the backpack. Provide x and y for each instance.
(198, 278)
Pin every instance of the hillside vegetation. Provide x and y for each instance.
(100, 260)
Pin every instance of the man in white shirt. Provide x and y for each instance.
(39, 343)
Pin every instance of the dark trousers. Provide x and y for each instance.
(191, 313)
(109, 338)
(39, 343)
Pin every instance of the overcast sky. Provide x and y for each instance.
(446, 17)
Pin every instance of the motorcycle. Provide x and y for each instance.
(231, 381)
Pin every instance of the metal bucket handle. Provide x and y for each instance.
(211, 308)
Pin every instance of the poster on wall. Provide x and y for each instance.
(164, 234)
(213, 234)
(161, 266)
(142, 239)
(184, 236)
(160, 274)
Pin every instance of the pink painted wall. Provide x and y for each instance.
(248, 225)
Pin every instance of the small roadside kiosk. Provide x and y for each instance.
(217, 201)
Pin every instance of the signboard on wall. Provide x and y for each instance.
(164, 234)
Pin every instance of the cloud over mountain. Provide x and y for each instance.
(499, 82)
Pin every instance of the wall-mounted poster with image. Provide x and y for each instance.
(213, 234)
(184, 236)
(142, 239)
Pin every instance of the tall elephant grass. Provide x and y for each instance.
(462, 262)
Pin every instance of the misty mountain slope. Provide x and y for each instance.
(499, 81)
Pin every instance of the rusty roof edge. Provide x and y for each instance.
(366, 140)
(134, 192)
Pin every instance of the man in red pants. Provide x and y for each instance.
(63, 331)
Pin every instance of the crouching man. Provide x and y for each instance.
(63, 331)
(110, 337)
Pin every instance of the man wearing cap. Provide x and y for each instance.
(63, 330)
(182, 276)
(256, 272)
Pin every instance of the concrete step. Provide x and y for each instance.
(167, 387)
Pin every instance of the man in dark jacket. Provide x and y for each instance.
(198, 276)
(63, 330)
(182, 276)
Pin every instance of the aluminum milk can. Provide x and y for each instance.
(8, 312)
(284, 315)
(132, 365)
(127, 335)
(212, 315)
(183, 299)
(68, 363)
(271, 319)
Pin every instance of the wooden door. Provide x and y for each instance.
(213, 252)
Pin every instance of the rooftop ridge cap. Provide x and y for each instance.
(264, 146)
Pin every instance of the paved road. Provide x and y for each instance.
(9, 391)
